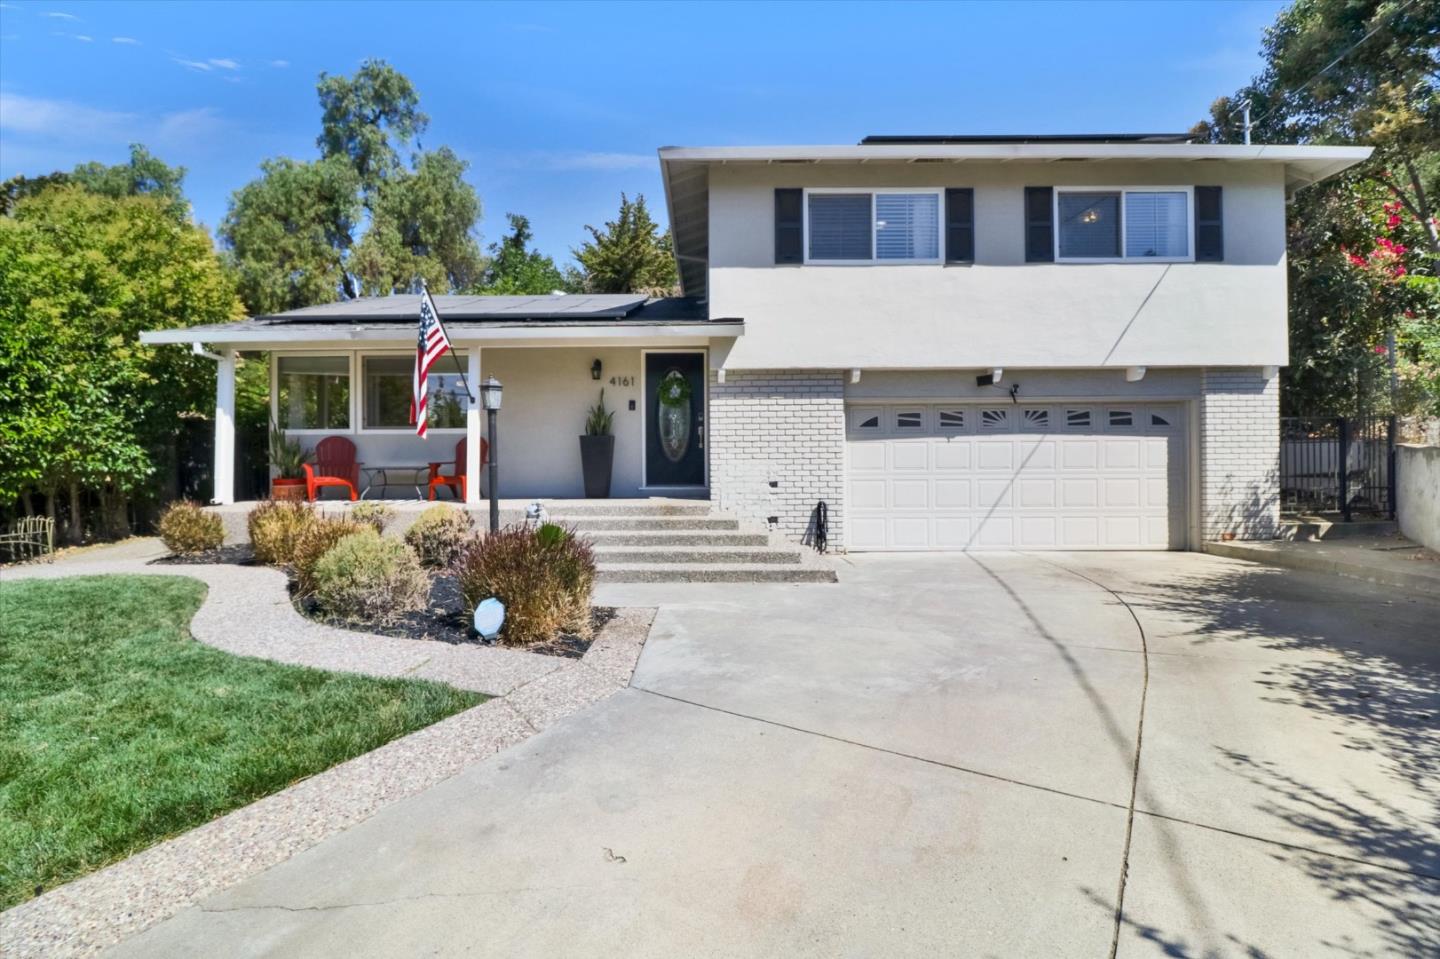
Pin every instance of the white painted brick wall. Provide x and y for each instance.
(1239, 454)
(777, 447)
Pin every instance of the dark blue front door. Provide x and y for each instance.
(674, 419)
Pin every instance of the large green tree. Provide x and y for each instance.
(144, 175)
(84, 408)
(1363, 250)
(629, 255)
(363, 220)
(517, 269)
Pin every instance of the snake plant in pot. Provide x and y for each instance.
(597, 450)
(287, 459)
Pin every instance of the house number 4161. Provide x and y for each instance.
(622, 381)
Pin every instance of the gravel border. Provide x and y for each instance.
(248, 611)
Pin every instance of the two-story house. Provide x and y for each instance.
(949, 342)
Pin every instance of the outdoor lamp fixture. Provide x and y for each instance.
(595, 370)
(490, 400)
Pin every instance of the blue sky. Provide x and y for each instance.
(559, 107)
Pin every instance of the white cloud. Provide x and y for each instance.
(280, 64)
(54, 15)
(591, 160)
(126, 40)
(61, 119)
(82, 38)
(57, 122)
(224, 63)
(188, 125)
(193, 64)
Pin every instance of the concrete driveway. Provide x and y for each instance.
(961, 755)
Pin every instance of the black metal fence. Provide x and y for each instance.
(1337, 464)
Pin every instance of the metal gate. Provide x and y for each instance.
(1337, 464)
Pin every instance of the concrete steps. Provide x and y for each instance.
(683, 543)
(713, 573)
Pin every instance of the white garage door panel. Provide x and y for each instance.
(1045, 476)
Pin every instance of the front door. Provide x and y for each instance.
(674, 419)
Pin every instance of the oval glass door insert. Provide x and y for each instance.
(674, 416)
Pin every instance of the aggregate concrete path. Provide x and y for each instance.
(994, 755)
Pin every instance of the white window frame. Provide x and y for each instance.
(275, 356)
(357, 392)
(1124, 191)
(872, 192)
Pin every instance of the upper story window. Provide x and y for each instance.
(1123, 224)
(872, 226)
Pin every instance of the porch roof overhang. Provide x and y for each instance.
(556, 320)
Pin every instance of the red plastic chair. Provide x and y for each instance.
(335, 465)
(457, 480)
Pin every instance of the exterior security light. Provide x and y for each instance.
(490, 393)
(595, 370)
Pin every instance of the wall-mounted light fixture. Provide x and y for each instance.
(595, 370)
(990, 379)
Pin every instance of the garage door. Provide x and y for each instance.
(1015, 476)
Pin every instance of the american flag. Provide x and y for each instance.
(431, 345)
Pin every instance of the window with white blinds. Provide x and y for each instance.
(1123, 224)
(890, 226)
(840, 227)
(907, 226)
(1157, 224)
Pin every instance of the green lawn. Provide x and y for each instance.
(117, 729)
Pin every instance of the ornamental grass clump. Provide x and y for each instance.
(315, 541)
(543, 576)
(275, 528)
(377, 515)
(368, 578)
(186, 528)
(438, 534)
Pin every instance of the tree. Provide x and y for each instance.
(360, 113)
(630, 255)
(287, 233)
(294, 235)
(145, 175)
(1363, 247)
(516, 269)
(83, 406)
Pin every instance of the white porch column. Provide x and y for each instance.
(473, 414)
(225, 427)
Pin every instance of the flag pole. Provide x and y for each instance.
(424, 291)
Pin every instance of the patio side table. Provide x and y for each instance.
(381, 477)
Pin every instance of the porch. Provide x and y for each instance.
(345, 370)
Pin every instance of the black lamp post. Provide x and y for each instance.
(490, 399)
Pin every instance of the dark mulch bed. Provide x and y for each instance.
(237, 554)
(444, 621)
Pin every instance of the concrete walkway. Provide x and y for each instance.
(999, 755)
(1390, 560)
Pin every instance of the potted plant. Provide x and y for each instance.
(288, 459)
(597, 450)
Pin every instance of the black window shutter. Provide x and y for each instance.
(1039, 224)
(789, 226)
(959, 225)
(1209, 228)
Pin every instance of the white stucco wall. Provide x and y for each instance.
(1000, 311)
(1417, 493)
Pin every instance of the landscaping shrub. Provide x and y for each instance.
(438, 534)
(314, 541)
(544, 577)
(377, 515)
(187, 528)
(368, 578)
(275, 528)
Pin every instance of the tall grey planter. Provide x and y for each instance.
(597, 458)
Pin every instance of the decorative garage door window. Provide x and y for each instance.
(909, 420)
(994, 419)
(1037, 419)
(674, 397)
(1077, 419)
(952, 419)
